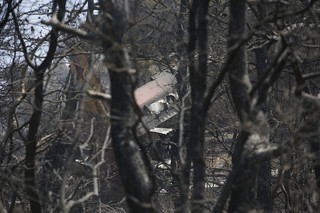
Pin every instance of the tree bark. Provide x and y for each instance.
(134, 167)
(180, 180)
(198, 43)
(264, 174)
(238, 72)
(31, 143)
(31, 146)
(243, 190)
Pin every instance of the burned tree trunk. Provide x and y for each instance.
(198, 44)
(180, 180)
(31, 146)
(134, 167)
(34, 123)
(243, 188)
(254, 136)
(264, 174)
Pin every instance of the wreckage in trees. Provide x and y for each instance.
(86, 104)
(158, 101)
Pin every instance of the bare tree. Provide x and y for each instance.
(134, 167)
(72, 132)
(31, 142)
